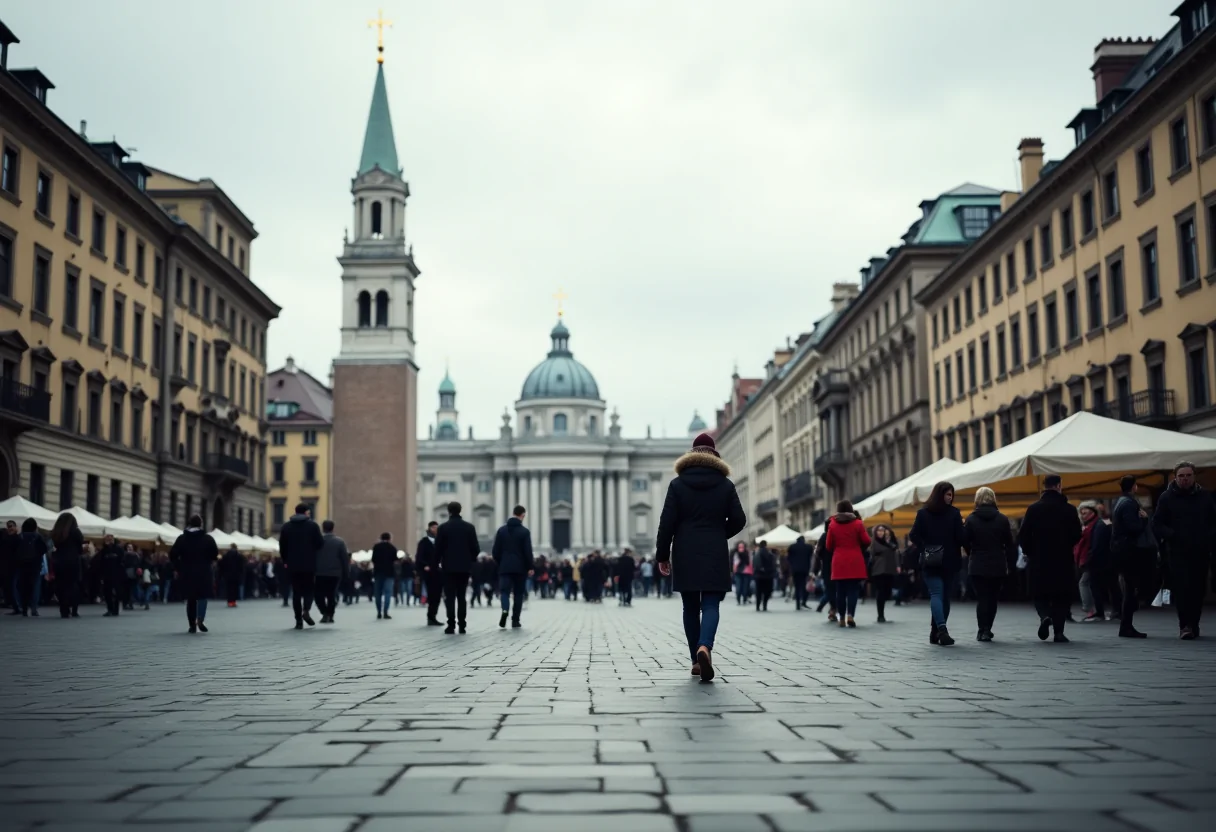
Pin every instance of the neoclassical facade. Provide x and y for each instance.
(584, 485)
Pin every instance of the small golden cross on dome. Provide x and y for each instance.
(379, 23)
(560, 297)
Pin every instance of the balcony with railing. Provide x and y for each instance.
(834, 385)
(23, 403)
(800, 488)
(227, 469)
(1146, 407)
(767, 507)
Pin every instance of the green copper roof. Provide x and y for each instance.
(447, 385)
(379, 147)
(942, 223)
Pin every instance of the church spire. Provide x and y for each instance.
(379, 146)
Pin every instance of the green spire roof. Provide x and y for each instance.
(379, 148)
(447, 386)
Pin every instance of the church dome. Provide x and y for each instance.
(697, 425)
(559, 376)
(447, 385)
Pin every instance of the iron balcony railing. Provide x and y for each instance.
(222, 463)
(1142, 406)
(27, 401)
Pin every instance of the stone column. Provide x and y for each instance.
(468, 492)
(500, 498)
(428, 499)
(597, 510)
(576, 512)
(622, 506)
(610, 514)
(657, 495)
(533, 503)
(546, 509)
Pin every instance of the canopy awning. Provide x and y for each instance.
(780, 537)
(19, 509)
(90, 524)
(135, 529)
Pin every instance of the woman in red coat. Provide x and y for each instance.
(847, 540)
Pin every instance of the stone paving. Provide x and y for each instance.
(587, 720)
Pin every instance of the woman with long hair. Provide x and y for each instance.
(847, 539)
(992, 554)
(700, 514)
(938, 534)
(884, 567)
(66, 560)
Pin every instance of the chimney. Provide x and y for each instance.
(1030, 157)
(842, 295)
(290, 366)
(83, 128)
(1114, 59)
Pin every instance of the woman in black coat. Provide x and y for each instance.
(700, 514)
(992, 554)
(938, 534)
(66, 563)
(193, 556)
(232, 567)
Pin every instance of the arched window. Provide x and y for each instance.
(382, 308)
(377, 214)
(559, 424)
(528, 425)
(593, 426)
(365, 309)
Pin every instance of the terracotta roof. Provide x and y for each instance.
(291, 384)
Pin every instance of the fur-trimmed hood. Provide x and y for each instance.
(701, 459)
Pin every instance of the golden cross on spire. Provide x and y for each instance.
(379, 23)
(560, 297)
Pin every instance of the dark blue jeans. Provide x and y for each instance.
(847, 592)
(513, 587)
(383, 587)
(701, 619)
(939, 585)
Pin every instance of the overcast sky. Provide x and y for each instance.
(694, 174)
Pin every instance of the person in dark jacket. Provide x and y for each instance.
(626, 567)
(31, 550)
(193, 555)
(299, 541)
(429, 574)
(1185, 526)
(512, 553)
(456, 550)
(938, 532)
(8, 565)
(992, 554)
(131, 563)
(1133, 560)
(113, 575)
(764, 572)
(66, 561)
(700, 514)
(884, 567)
(232, 567)
(1095, 536)
(799, 556)
(742, 581)
(384, 574)
(332, 562)
(821, 566)
(1050, 530)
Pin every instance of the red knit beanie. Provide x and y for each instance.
(704, 443)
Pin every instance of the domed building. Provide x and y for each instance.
(584, 485)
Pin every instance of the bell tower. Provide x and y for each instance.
(375, 378)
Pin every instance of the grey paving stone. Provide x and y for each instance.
(733, 804)
(198, 810)
(727, 823)
(317, 824)
(587, 802)
(591, 823)
(961, 822)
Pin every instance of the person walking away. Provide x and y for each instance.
(1134, 551)
(300, 540)
(646, 571)
(938, 535)
(1095, 538)
(193, 556)
(130, 583)
(701, 512)
(821, 565)
(742, 561)
(384, 573)
(333, 560)
(764, 571)
(428, 573)
(848, 539)
(31, 552)
(66, 560)
(1050, 530)
(8, 566)
(512, 554)
(113, 576)
(626, 568)
(799, 556)
(991, 556)
(568, 578)
(407, 579)
(232, 567)
(1185, 525)
(456, 550)
(884, 567)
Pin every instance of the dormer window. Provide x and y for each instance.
(976, 219)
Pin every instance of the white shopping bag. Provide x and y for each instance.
(1162, 599)
(1021, 559)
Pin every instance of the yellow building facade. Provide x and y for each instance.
(300, 414)
(132, 338)
(1094, 290)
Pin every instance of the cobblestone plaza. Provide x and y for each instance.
(587, 719)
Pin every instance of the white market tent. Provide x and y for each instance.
(881, 506)
(172, 533)
(267, 545)
(135, 529)
(222, 539)
(780, 537)
(90, 524)
(18, 509)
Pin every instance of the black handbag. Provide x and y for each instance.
(932, 557)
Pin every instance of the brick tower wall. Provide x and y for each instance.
(375, 453)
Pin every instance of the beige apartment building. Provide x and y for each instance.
(300, 412)
(133, 339)
(1094, 289)
(871, 392)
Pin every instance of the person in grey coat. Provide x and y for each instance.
(884, 566)
(992, 555)
(333, 559)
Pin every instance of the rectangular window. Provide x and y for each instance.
(42, 279)
(115, 420)
(92, 494)
(99, 231)
(985, 361)
(193, 294)
(1148, 267)
(177, 351)
(137, 333)
(278, 437)
(982, 282)
(1197, 370)
(97, 316)
(118, 334)
(1002, 366)
(1207, 120)
(936, 340)
(157, 344)
(958, 313)
(243, 400)
(67, 483)
(277, 471)
(937, 384)
(141, 257)
(1180, 145)
(115, 498)
(219, 235)
(71, 297)
(1072, 314)
(278, 512)
(960, 384)
(37, 483)
(1088, 221)
(969, 304)
(72, 220)
(42, 194)
(1011, 272)
(1046, 254)
(9, 167)
(136, 500)
(231, 244)
(1210, 223)
(207, 302)
(94, 412)
(191, 357)
(949, 386)
(310, 437)
(1066, 241)
(310, 471)
(120, 246)
(1093, 297)
(1144, 170)
(1051, 320)
(189, 450)
(1117, 289)
(1028, 258)
(1015, 343)
(137, 435)
(158, 274)
(179, 285)
(971, 366)
(241, 258)
(1032, 332)
(1188, 251)
(1110, 194)
(997, 288)
(206, 366)
(67, 413)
